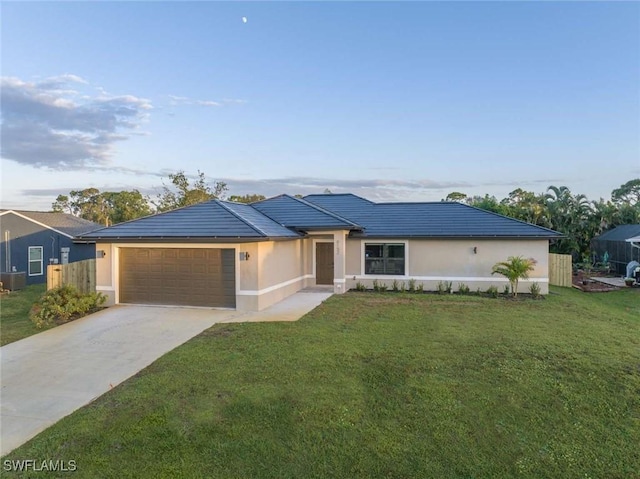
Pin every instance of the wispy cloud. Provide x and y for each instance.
(175, 100)
(50, 124)
(374, 189)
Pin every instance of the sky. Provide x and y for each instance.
(393, 101)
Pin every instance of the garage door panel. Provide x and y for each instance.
(178, 276)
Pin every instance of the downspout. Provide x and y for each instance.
(635, 244)
(53, 249)
(7, 249)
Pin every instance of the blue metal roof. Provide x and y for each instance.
(436, 219)
(278, 217)
(300, 214)
(619, 233)
(213, 220)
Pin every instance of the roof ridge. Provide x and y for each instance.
(342, 194)
(249, 224)
(323, 210)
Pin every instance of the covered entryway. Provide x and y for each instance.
(178, 276)
(324, 263)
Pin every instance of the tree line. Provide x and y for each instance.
(111, 207)
(574, 215)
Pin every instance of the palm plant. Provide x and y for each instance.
(514, 269)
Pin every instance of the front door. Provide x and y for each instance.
(324, 263)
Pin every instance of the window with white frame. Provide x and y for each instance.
(384, 258)
(35, 261)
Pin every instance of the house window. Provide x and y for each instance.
(384, 258)
(35, 260)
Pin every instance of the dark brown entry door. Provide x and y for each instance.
(178, 276)
(324, 263)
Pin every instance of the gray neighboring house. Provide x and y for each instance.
(248, 257)
(31, 240)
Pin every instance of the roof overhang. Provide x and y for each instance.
(451, 237)
(635, 241)
(190, 240)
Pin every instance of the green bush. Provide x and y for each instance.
(445, 287)
(534, 289)
(360, 286)
(412, 285)
(463, 288)
(395, 286)
(63, 304)
(492, 291)
(420, 288)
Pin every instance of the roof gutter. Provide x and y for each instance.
(635, 242)
(184, 239)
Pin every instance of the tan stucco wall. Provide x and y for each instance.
(281, 270)
(354, 257)
(104, 271)
(433, 261)
(249, 268)
(279, 261)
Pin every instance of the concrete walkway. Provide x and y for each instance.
(619, 282)
(51, 374)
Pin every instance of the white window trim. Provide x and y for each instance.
(363, 243)
(33, 261)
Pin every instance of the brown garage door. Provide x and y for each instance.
(177, 276)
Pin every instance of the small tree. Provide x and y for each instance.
(184, 193)
(514, 269)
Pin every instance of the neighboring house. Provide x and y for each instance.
(615, 243)
(248, 257)
(31, 240)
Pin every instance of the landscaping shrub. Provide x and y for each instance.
(63, 304)
(445, 287)
(412, 285)
(514, 269)
(360, 286)
(463, 288)
(534, 289)
(492, 291)
(395, 286)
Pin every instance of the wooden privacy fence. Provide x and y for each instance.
(81, 274)
(560, 270)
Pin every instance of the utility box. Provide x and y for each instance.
(14, 281)
(64, 255)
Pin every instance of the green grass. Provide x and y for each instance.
(380, 385)
(14, 313)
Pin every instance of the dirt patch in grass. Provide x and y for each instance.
(221, 332)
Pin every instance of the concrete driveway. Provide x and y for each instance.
(49, 375)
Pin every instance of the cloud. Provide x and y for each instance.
(50, 124)
(374, 189)
(175, 100)
(380, 190)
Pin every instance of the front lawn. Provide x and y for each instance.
(14, 313)
(380, 385)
